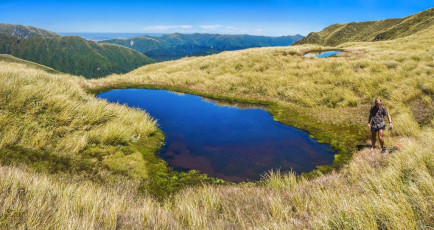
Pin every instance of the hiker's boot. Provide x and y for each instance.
(384, 150)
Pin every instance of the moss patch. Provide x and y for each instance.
(344, 138)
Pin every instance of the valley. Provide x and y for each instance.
(175, 46)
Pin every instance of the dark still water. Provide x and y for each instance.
(227, 142)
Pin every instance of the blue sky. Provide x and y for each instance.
(259, 17)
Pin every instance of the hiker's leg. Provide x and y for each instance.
(380, 138)
(373, 138)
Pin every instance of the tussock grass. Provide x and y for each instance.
(278, 180)
(50, 113)
(51, 124)
(31, 200)
(329, 97)
(372, 191)
(351, 80)
(87, 161)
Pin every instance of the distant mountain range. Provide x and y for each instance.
(21, 31)
(75, 55)
(371, 30)
(177, 45)
(69, 54)
(105, 36)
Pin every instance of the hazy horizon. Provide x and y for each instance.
(99, 36)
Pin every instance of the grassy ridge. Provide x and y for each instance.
(88, 162)
(47, 113)
(328, 97)
(50, 124)
(371, 30)
(74, 55)
(12, 59)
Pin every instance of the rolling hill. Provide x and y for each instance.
(177, 45)
(32, 65)
(71, 161)
(330, 98)
(69, 54)
(386, 29)
(26, 31)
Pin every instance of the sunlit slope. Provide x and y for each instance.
(386, 29)
(49, 122)
(85, 159)
(372, 191)
(336, 90)
(41, 111)
(12, 59)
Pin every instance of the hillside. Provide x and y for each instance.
(71, 161)
(175, 46)
(302, 86)
(26, 31)
(386, 29)
(81, 166)
(74, 55)
(12, 59)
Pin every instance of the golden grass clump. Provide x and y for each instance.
(49, 121)
(50, 113)
(31, 200)
(372, 191)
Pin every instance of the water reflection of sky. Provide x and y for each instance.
(224, 141)
(323, 54)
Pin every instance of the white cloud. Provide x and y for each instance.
(166, 27)
(231, 28)
(210, 27)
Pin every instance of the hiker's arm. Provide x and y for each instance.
(390, 120)
(369, 119)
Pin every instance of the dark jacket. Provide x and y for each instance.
(377, 115)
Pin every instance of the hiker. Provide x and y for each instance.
(377, 124)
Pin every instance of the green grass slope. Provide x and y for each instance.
(70, 160)
(371, 31)
(177, 45)
(335, 93)
(141, 44)
(74, 55)
(25, 31)
(49, 123)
